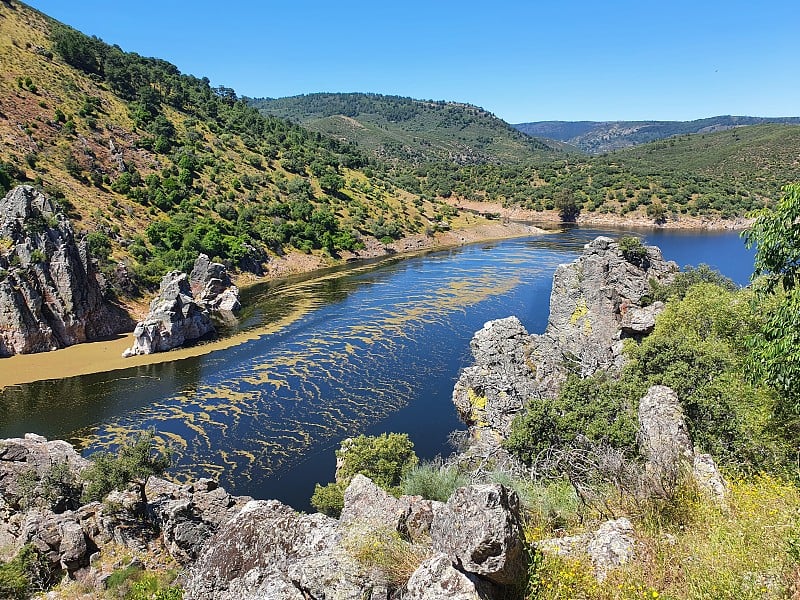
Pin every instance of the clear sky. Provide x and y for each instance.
(524, 61)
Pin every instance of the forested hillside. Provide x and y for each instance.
(160, 165)
(723, 174)
(404, 130)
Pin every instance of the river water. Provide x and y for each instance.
(378, 348)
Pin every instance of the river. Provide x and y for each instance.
(377, 348)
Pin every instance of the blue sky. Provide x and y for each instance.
(524, 61)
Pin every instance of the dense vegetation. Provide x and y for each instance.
(407, 131)
(596, 137)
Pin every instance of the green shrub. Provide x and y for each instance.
(632, 249)
(690, 276)
(594, 408)
(432, 481)
(22, 574)
(385, 459)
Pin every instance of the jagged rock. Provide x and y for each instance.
(19, 456)
(212, 286)
(596, 301)
(665, 443)
(270, 551)
(480, 526)
(189, 515)
(489, 393)
(174, 318)
(709, 479)
(640, 321)
(50, 296)
(588, 306)
(438, 579)
(366, 503)
(612, 545)
(663, 436)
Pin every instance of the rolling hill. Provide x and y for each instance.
(597, 137)
(408, 131)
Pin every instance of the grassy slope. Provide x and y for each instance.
(407, 130)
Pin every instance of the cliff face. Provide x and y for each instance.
(596, 302)
(49, 292)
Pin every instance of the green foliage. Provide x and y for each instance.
(99, 245)
(38, 256)
(58, 485)
(592, 408)
(776, 353)
(683, 281)
(328, 499)
(23, 574)
(135, 462)
(432, 481)
(633, 249)
(385, 459)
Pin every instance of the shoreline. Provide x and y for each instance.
(106, 355)
(604, 219)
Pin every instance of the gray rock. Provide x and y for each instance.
(588, 304)
(212, 286)
(596, 302)
(612, 545)
(480, 527)
(270, 551)
(50, 293)
(73, 547)
(663, 436)
(438, 579)
(709, 479)
(366, 503)
(174, 318)
(665, 443)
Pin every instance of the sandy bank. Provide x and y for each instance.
(601, 219)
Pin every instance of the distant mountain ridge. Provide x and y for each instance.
(597, 137)
(406, 130)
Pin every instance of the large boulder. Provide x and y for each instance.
(174, 318)
(270, 551)
(212, 286)
(437, 578)
(50, 292)
(480, 528)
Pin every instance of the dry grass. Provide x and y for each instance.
(385, 551)
(744, 552)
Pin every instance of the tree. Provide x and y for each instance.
(566, 205)
(135, 462)
(776, 352)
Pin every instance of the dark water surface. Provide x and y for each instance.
(379, 351)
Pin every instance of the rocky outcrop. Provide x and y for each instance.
(596, 302)
(174, 318)
(665, 444)
(480, 526)
(212, 286)
(612, 545)
(437, 578)
(270, 551)
(50, 295)
(589, 311)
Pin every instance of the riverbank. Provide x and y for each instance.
(518, 213)
(104, 356)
